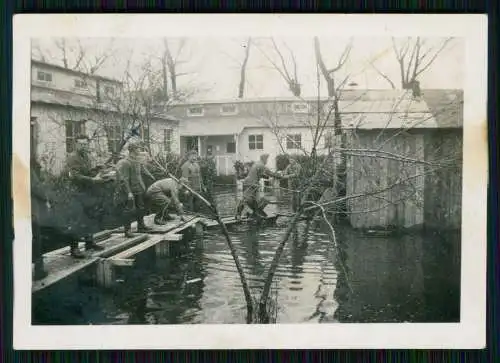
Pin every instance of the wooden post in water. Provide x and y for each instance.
(105, 273)
(162, 249)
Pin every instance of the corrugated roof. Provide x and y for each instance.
(370, 121)
(57, 97)
(70, 99)
(351, 94)
(446, 106)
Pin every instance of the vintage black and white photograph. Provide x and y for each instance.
(257, 179)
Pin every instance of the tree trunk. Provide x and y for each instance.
(241, 89)
(165, 77)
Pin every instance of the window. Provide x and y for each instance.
(231, 147)
(195, 111)
(256, 142)
(229, 110)
(294, 141)
(300, 108)
(114, 135)
(167, 139)
(73, 130)
(80, 83)
(109, 90)
(44, 76)
(329, 140)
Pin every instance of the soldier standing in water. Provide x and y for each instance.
(192, 173)
(251, 188)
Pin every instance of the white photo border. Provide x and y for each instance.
(469, 333)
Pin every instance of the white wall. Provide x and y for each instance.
(272, 145)
(51, 134)
(65, 81)
(156, 134)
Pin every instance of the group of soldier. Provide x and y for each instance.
(131, 198)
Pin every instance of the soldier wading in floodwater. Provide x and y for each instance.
(84, 202)
(251, 188)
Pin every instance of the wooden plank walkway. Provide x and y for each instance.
(118, 249)
(62, 265)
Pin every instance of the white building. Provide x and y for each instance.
(245, 129)
(67, 103)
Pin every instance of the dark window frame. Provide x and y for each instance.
(256, 142)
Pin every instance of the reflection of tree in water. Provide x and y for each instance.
(172, 291)
(251, 252)
(342, 292)
(299, 249)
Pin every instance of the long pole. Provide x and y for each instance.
(213, 209)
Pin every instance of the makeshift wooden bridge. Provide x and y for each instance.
(121, 251)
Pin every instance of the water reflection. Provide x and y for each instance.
(411, 278)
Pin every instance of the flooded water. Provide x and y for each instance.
(414, 278)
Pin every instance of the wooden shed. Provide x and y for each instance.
(403, 164)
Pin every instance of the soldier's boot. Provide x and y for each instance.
(128, 232)
(75, 251)
(141, 226)
(91, 245)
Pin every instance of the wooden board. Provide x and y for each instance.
(99, 237)
(62, 265)
(161, 229)
(138, 248)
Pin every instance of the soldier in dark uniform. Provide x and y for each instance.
(39, 207)
(83, 184)
(251, 188)
(130, 191)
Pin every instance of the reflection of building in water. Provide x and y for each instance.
(408, 278)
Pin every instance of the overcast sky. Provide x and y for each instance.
(213, 64)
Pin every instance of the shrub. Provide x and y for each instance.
(325, 168)
(169, 161)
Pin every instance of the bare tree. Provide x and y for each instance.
(329, 73)
(414, 56)
(380, 192)
(243, 69)
(72, 54)
(171, 62)
(287, 72)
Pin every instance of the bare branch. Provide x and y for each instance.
(441, 48)
(383, 75)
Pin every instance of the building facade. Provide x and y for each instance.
(245, 129)
(67, 103)
(392, 138)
